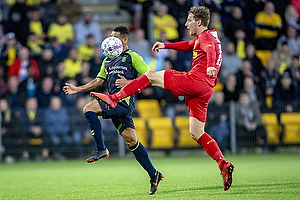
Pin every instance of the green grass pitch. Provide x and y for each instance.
(196, 177)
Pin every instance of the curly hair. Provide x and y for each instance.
(202, 13)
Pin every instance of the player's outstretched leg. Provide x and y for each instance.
(134, 87)
(107, 99)
(95, 127)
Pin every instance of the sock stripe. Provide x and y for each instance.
(137, 146)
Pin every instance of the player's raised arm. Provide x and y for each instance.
(72, 89)
(157, 46)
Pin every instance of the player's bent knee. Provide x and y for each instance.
(92, 106)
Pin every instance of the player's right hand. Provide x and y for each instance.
(157, 46)
(69, 89)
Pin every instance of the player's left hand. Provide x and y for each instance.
(211, 71)
(121, 82)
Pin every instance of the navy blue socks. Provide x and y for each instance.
(95, 127)
(141, 155)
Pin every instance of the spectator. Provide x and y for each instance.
(285, 95)
(62, 30)
(20, 65)
(162, 53)
(29, 85)
(268, 78)
(35, 45)
(18, 21)
(32, 127)
(252, 8)
(240, 40)
(296, 4)
(178, 10)
(282, 57)
(235, 23)
(215, 22)
(9, 128)
(35, 25)
(60, 51)
(47, 63)
(230, 89)
(248, 124)
(141, 45)
(57, 125)
(70, 100)
(212, 5)
(292, 39)
(48, 13)
(165, 22)
(84, 77)
(268, 27)
(256, 65)
(291, 17)
(231, 63)
(227, 9)
(71, 10)
(254, 92)
(59, 77)
(45, 93)
(73, 63)
(9, 51)
(87, 26)
(2, 30)
(87, 49)
(3, 82)
(80, 132)
(16, 98)
(95, 62)
(217, 120)
(294, 72)
(184, 61)
(242, 73)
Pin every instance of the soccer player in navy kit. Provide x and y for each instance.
(127, 66)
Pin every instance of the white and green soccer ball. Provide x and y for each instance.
(112, 47)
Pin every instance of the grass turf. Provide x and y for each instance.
(255, 177)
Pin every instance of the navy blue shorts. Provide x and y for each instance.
(121, 115)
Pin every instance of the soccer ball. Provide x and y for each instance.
(112, 47)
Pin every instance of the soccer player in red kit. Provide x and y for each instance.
(197, 85)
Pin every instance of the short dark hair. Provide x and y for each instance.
(123, 30)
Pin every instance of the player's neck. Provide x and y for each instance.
(201, 29)
(125, 48)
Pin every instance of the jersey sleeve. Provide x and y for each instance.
(138, 63)
(102, 72)
(181, 46)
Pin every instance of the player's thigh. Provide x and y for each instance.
(129, 136)
(196, 128)
(93, 106)
(156, 78)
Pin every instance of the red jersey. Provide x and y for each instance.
(207, 52)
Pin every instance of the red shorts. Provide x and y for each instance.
(197, 92)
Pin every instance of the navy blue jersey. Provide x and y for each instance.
(129, 64)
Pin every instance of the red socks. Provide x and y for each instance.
(212, 149)
(134, 87)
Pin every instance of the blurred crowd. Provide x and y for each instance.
(45, 43)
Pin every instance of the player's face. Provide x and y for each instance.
(192, 25)
(118, 35)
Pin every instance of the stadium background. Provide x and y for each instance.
(260, 62)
